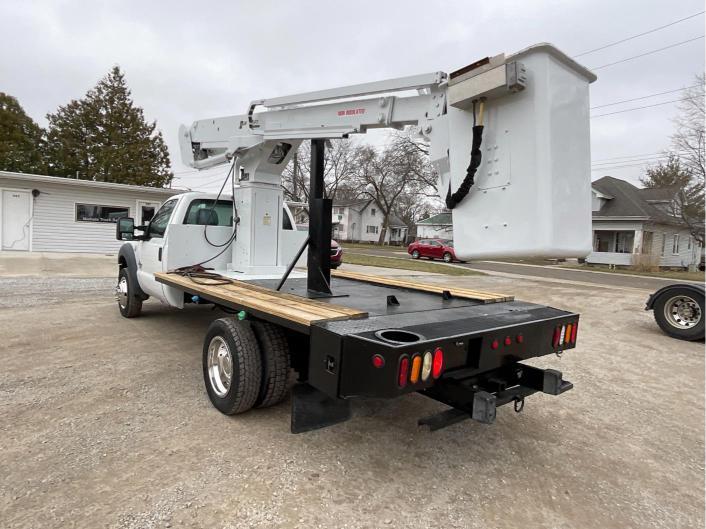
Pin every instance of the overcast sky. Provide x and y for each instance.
(190, 60)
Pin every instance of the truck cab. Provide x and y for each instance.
(194, 228)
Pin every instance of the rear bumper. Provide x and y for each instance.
(474, 340)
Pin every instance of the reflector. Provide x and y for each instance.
(378, 361)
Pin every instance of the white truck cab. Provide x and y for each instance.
(193, 228)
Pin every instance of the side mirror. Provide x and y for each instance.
(125, 229)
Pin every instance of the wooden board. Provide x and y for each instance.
(248, 296)
(464, 293)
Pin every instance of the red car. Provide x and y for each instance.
(336, 254)
(433, 249)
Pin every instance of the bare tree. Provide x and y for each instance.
(339, 169)
(399, 169)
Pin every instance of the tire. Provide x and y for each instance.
(231, 345)
(448, 257)
(129, 304)
(415, 254)
(274, 355)
(679, 312)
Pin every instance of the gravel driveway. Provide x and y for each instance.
(104, 422)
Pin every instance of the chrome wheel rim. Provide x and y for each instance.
(682, 312)
(220, 366)
(447, 257)
(415, 254)
(121, 292)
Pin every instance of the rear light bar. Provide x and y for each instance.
(419, 368)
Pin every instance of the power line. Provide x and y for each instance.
(638, 35)
(645, 97)
(646, 53)
(640, 108)
(632, 160)
(638, 155)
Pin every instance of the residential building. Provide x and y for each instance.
(435, 227)
(362, 220)
(633, 226)
(52, 214)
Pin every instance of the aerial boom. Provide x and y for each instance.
(526, 191)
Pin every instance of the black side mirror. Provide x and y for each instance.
(125, 229)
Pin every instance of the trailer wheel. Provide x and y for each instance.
(680, 313)
(232, 368)
(129, 304)
(274, 352)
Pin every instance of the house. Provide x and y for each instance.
(436, 227)
(52, 214)
(361, 220)
(633, 226)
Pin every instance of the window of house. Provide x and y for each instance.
(96, 213)
(664, 243)
(222, 212)
(675, 244)
(371, 229)
(624, 241)
(688, 243)
(603, 240)
(372, 212)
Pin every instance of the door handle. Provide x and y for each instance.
(159, 254)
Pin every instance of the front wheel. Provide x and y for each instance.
(129, 304)
(448, 257)
(415, 254)
(679, 312)
(232, 367)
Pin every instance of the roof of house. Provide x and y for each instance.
(442, 219)
(629, 201)
(353, 203)
(396, 222)
(659, 194)
(39, 179)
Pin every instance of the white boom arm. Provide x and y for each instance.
(531, 193)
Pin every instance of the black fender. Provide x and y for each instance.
(694, 287)
(126, 259)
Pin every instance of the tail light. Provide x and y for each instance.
(565, 334)
(416, 368)
(378, 361)
(437, 363)
(426, 366)
(404, 369)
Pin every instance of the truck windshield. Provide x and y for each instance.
(222, 212)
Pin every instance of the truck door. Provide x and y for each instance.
(151, 249)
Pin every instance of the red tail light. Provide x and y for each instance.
(404, 369)
(574, 332)
(378, 361)
(437, 365)
(557, 336)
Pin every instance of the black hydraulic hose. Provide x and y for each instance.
(453, 199)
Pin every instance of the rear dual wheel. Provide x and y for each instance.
(245, 365)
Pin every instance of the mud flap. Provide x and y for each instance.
(313, 409)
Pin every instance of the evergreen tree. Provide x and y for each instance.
(21, 139)
(105, 137)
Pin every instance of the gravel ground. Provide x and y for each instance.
(105, 423)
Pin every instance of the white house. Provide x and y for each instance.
(53, 214)
(633, 226)
(435, 227)
(361, 220)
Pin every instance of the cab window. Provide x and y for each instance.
(158, 224)
(218, 214)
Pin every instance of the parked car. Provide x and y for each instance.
(336, 254)
(679, 310)
(433, 249)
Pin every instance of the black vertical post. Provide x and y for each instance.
(319, 255)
